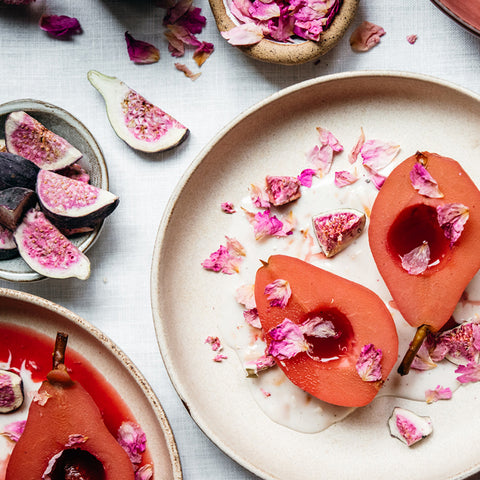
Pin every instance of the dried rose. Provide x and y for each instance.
(14, 430)
(319, 327)
(214, 342)
(344, 178)
(423, 361)
(226, 259)
(227, 207)
(252, 318)
(265, 224)
(306, 176)
(353, 155)
(278, 292)
(202, 52)
(439, 393)
(186, 71)
(144, 473)
(468, 373)
(287, 340)
(244, 34)
(76, 439)
(264, 362)
(141, 52)
(378, 154)
(59, 25)
(423, 182)
(133, 440)
(411, 39)
(321, 156)
(259, 196)
(245, 295)
(452, 218)
(368, 365)
(417, 260)
(366, 36)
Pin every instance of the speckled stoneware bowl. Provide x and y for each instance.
(466, 13)
(26, 310)
(291, 53)
(66, 125)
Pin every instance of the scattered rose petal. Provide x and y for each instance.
(409, 427)
(144, 473)
(344, 178)
(376, 178)
(264, 362)
(59, 26)
(244, 34)
(13, 430)
(353, 155)
(245, 295)
(227, 207)
(423, 182)
(439, 393)
(265, 393)
(417, 260)
(468, 373)
(366, 36)
(318, 327)
(377, 154)
(202, 53)
(259, 196)
(287, 340)
(452, 218)
(76, 439)
(183, 13)
(235, 247)
(141, 52)
(252, 318)
(411, 39)
(278, 292)
(41, 398)
(423, 360)
(264, 10)
(306, 176)
(226, 259)
(219, 358)
(133, 440)
(181, 67)
(214, 342)
(282, 189)
(265, 224)
(321, 156)
(328, 138)
(369, 363)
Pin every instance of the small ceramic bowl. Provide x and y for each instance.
(290, 53)
(66, 125)
(467, 14)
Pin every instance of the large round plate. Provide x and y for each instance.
(66, 125)
(418, 112)
(466, 13)
(23, 309)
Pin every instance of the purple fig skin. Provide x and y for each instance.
(16, 171)
(14, 202)
(8, 247)
(72, 204)
(26, 136)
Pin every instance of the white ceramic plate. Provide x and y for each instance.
(23, 309)
(66, 125)
(418, 112)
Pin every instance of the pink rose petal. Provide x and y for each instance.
(366, 36)
(417, 260)
(141, 52)
(59, 25)
(133, 440)
(259, 196)
(468, 373)
(452, 218)
(369, 363)
(411, 39)
(318, 327)
(144, 473)
(423, 182)
(252, 318)
(226, 259)
(265, 224)
(14, 430)
(306, 176)
(377, 154)
(244, 34)
(287, 340)
(186, 71)
(344, 178)
(278, 292)
(245, 295)
(439, 393)
(353, 155)
(227, 207)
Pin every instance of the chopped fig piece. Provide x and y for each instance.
(47, 251)
(408, 426)
(75, 171)
(3, 147)
(136, 121)
(16, 171)
(282, 189)
(14, 202)
(11, 391)
(337, 229)
(69, 203)
(27, 137)
(8, 247)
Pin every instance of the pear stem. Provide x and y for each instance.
(415, 345)
(60, 347)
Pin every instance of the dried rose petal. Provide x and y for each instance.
(411, 39)
(245, 295)
(244, 34)
(264, 10)
(377, 179)
(366, 36)
(378, 154)
(144, 473)
(321, 156)
(353, 155)
(423, 361)
(282, 189)
(409, 427)
(287, 340)
(226, 259)
(41, 398)
(368, 365)
(306, 176)
(133, 440)
(214, 342)
(141, 52)
(278, 292)
(265, 224)
(259, 364)
(452, 218)
(328, 138)
(344, 178)
(227, 207)
(219, 358)
(76, 439)
(423, 182)
(183, 13)
(252, 318)
(439, 393)
(13, 430)
(469, 372)
(318, 327)
(59, 25)
(235, 247)
(259, 196)
(417, 260)
(202, 53)
(181, 67)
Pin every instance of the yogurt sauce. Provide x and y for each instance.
(279, 399)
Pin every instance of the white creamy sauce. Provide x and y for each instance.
(279, 399)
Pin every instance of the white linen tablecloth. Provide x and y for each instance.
(116, 298)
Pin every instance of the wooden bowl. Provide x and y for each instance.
(290, 53)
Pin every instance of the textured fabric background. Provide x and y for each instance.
(116, 298)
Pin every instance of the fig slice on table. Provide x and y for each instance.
(405, 218)
(65, 436)
(47, 251)
(342, 322)
(136, 121)
(27, 137)
(73, 204)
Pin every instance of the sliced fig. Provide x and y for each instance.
(16, 171)
(14, 202)
(47, 251)
(26, 136)
(75, 171)
(11, 391)
(8, 247)
(3, 146)
(136, 121)
(73, 204)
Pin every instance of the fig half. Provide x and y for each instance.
(136, 121)
(28, 138)
(14, 202)
(73, 204)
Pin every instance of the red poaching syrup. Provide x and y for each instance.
(36, 349)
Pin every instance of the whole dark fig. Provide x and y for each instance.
(16, 171)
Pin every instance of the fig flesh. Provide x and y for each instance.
(14, 202)
(26, 136)
(11, 391)
(16, 171)
(47, 251)
(136, 121)
(8, 247)
(73, 204)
